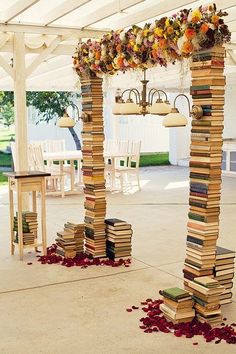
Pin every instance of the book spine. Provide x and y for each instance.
(93, 167)
(207, 90)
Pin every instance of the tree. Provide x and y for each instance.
(7, 114)
(50, 104)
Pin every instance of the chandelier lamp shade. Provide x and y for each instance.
(68, 122)
(143, 101)
(177, 119)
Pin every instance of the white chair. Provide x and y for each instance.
(132, 166)
(56, 182)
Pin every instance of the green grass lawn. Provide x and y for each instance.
(156, 159)
(5, 136)
(3, 179)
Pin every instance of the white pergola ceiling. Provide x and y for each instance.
(64, 22)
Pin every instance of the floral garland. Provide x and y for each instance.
(164, 41)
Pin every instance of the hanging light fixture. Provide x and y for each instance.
(67, 122)
(143, 102)
(177, 119)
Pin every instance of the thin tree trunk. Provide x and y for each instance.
(75, 138)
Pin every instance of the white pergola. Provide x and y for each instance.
(38, 39)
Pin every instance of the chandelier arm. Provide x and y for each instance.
(74, 106)
(137, 95)
(127, 90)
(164, 94)
(151, 93)
(183, 95)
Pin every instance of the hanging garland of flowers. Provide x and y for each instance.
(164, 41)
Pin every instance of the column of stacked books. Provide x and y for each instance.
(118, 238)
(93, 167)
(207, 90)
(66, 245)
(30, 227)
(77, 231)
(206, 293)
(177, 305)
(224, 272)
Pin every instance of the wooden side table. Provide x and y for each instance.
(20, 182)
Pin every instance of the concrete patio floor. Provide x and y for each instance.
(52, 309)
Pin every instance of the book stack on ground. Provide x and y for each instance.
(177, 306)
(206, 293)
(78, 233)
(207, 90)
(224, 272)
(66, 244)
(93, 167)
(118, 238)
(29, 225)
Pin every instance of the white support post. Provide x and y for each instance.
(20, 103)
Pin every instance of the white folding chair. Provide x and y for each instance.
(56, 182)
(132, 167)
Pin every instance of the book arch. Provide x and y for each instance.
(198, 34)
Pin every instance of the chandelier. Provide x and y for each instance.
(143, 101)
(143, 104)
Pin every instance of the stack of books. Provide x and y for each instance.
(224, 272)
(93, 167)
(207, 90)
(66, 244)
(118, 238)
(29, 225)
(206, 293)
(77, 230)
(177, 306)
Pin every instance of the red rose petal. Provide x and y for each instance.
(129, 310)
(135, 307)
(29, 263)
(155, 321)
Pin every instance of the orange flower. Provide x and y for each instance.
(120, 61)
(154, 53)
(187, 47)
(162, 43)
(189, 33)
(215, 19)
(118, 47)
(97, 55)
(204, 28)
(170, 30)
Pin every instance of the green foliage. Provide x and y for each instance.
(5, 136)
(161, 158)
(50, 104)
(7, 114)
(5, 160)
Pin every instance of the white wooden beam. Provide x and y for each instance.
(54, 30)
(107, 11)
(43, 55)
(150, 12)
(7, 67)
(61, 49)
(17, 8)
(20, 103)
(164, 7)
(63, 9)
